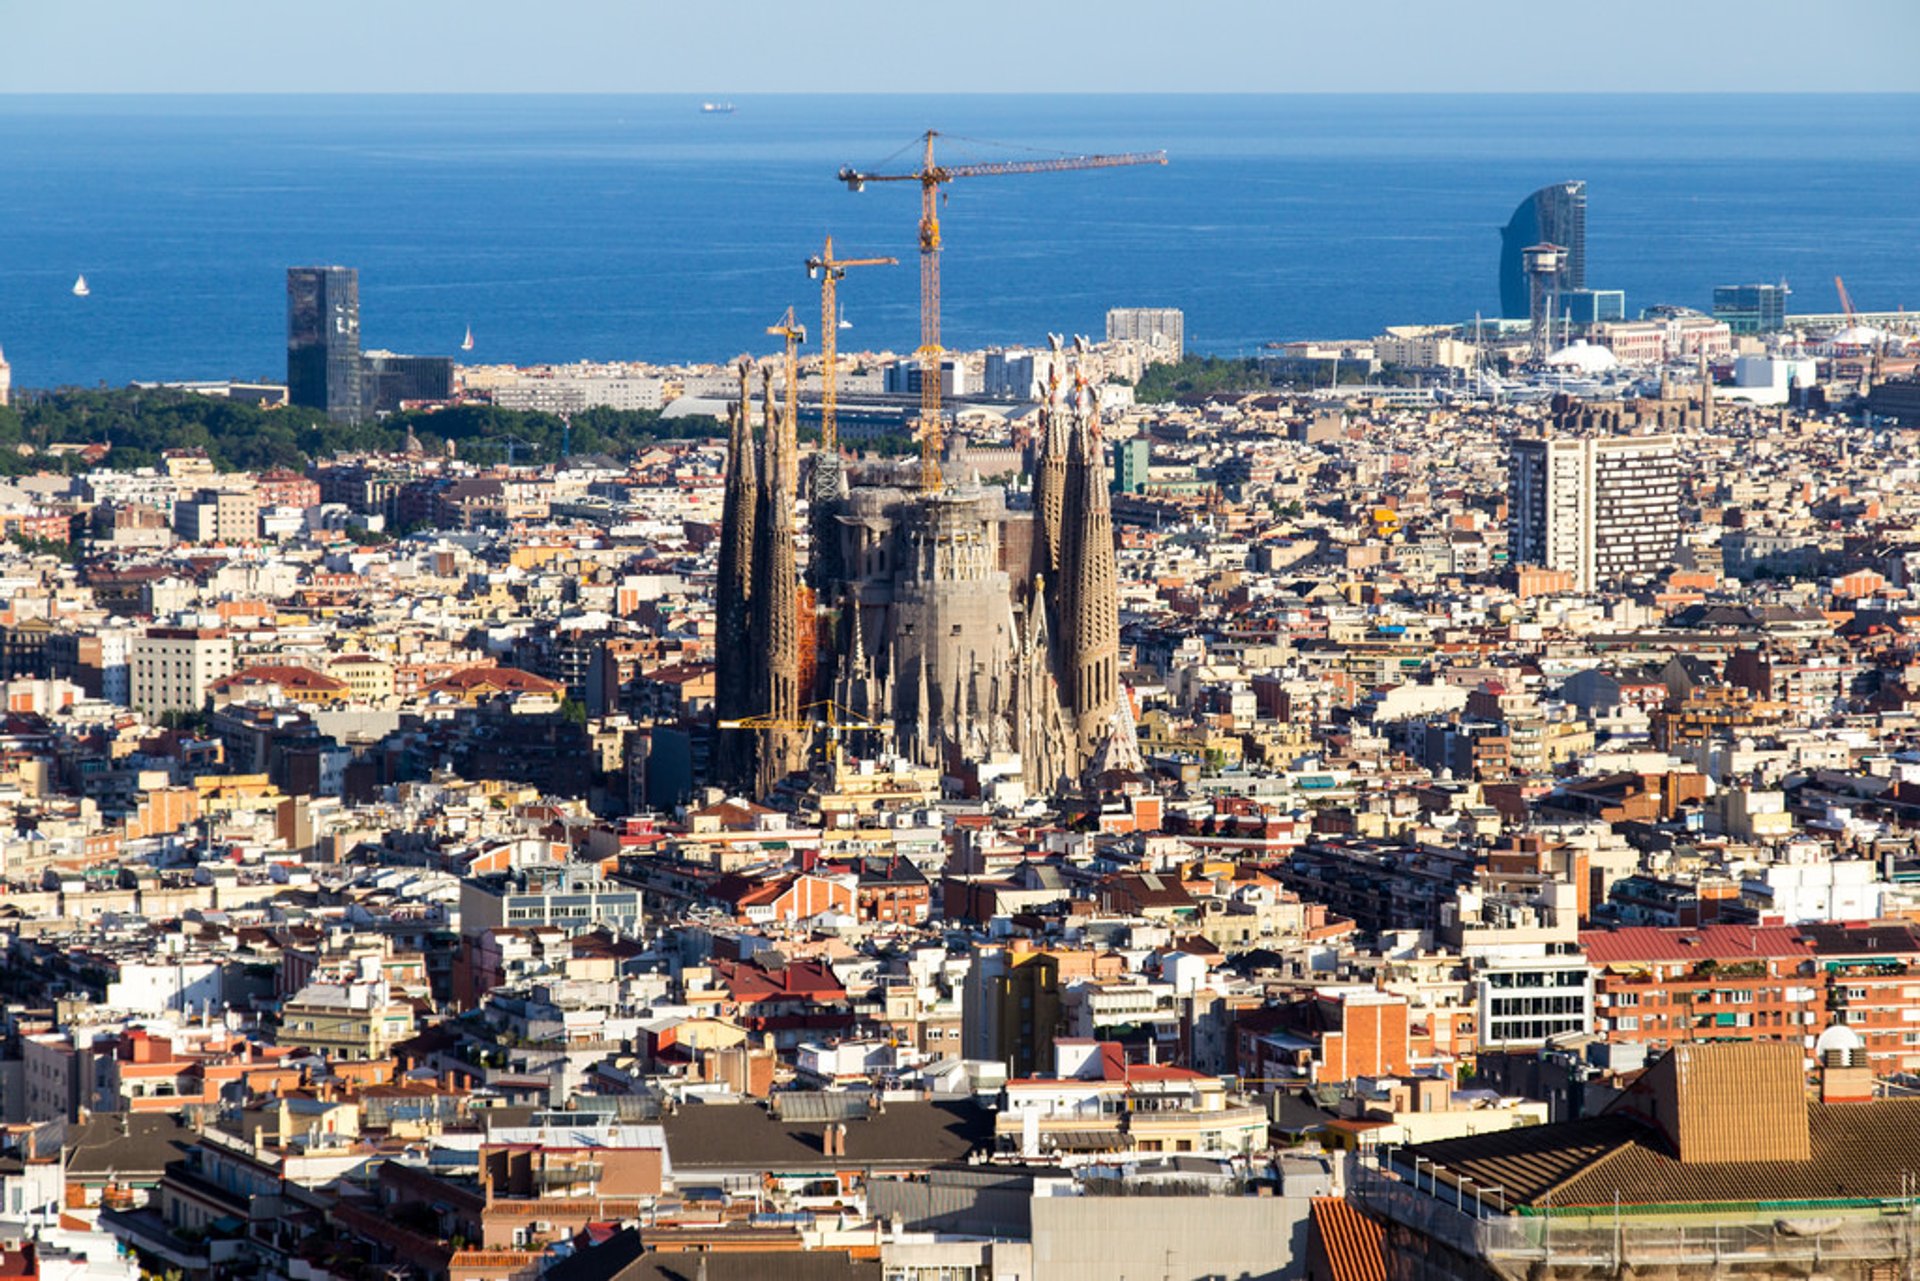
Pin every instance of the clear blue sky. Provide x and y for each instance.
(893, 46)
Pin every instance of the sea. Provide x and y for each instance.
(563, 228)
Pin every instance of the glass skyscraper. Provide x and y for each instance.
(1555, 215)
(323, 340)
(1751, 309)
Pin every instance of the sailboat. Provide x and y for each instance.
(80, 289)
(466, 344)
(844, 322)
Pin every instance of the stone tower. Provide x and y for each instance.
(735, 687)
(1706, 391)
(775, 600)
(1089, 603)
(1050, 483)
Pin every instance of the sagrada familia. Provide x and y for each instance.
(981, 627)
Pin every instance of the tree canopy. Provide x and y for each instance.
(139, 423)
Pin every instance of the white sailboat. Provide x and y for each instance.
(466, 344)
(80, 289)
(844, 322)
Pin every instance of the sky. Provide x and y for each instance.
(739, 47)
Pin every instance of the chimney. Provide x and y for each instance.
(1842, 1080)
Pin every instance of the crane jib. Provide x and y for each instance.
(932, 177)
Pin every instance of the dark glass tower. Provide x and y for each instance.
(1555, 215)
(323, 340)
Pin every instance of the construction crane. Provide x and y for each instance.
(1846, 303)
(793, 333)
(825, 715)
(932, 176)
(513, 443)
(828, 270)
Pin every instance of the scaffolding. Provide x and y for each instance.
(1765, 1240)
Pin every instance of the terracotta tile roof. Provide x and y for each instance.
(1353, 1243)
(1692, 943)
(507, 680)
(1858, 1150)
(1727, 1101)
(287, 676)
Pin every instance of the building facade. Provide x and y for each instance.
(1751, 309)
(389, 379)
(1556, 215)
(323, 340)
(170, 669)
(1162, 328)
(1602, 510)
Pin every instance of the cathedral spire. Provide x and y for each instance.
(775, 599)
(1091, 644)
(1050, 477)
(735, 687)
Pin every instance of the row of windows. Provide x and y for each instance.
(1502, 1030)
(1511, 1006)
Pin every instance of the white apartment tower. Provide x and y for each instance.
(1600, 509)
(6, 379)
(1162, 328)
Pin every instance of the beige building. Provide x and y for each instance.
(219, 516)
(351, 1022)
(369, 679)
(170, 669)
(1421, 347)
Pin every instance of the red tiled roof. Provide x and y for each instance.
(497, 679)
(1354, 1244)
(1692, 943)
(286, 675)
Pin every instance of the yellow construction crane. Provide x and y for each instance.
(825, 715)
(828, 270)
(931, 177)
(794, 333)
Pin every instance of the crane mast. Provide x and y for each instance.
(1846, 302)
(793, 333)
(932, 176)
(830, 271)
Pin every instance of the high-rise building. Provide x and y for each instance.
(6, 379)
(323, 340)
(1600, 509)
(1751, 309)
(1554, 215)
(1164, 328)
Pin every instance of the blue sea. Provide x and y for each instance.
(573, 227)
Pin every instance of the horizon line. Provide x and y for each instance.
(964, 93)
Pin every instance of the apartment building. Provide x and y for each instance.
(170, 669)
(1602, 510)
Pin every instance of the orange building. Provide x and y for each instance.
(1663, 986)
